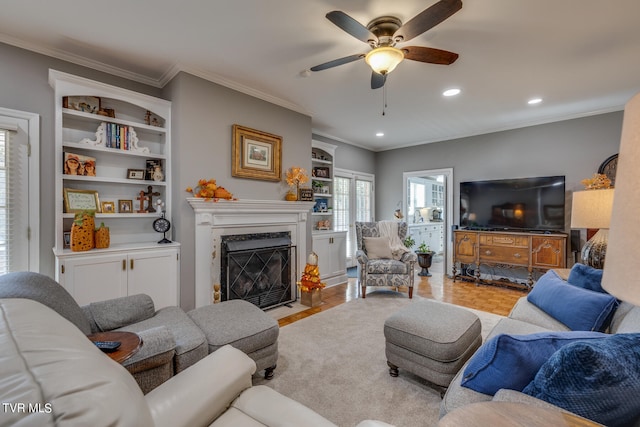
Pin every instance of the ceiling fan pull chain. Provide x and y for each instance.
(384, 99)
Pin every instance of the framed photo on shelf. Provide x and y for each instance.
(256, 154)
(135, 174)
(108, 207)
(153, 170)
(80, 200)
(66, 238)
(87, 104)
(125, 206)
(320, 172)
(77, 164)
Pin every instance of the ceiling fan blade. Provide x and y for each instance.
(429, 55)
(339, 61)
(351, 26)
(377, 80)
(427, 19)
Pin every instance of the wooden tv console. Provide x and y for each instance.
(505, 249)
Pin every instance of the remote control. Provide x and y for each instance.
(107, 346)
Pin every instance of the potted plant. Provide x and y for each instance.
(425, 256)
(409, 242)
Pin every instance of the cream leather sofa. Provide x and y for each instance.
(52, 375)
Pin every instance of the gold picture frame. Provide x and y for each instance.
(256, 154)
(81, 200)
(108, 207)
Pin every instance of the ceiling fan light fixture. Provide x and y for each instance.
(384, 60)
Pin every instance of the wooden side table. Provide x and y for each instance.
(511, 414)
(130, 343)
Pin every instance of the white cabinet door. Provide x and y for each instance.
(331, 249)
(94, 278)
(155, 273)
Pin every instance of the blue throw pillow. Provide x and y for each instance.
(597, 379)
(586, 277)
(512, 361)
(579, 309)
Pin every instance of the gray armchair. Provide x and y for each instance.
(385, 271)
(172, 341)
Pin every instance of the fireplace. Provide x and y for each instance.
(258, 268)
(215, 220)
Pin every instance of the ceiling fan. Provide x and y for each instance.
(383, 33)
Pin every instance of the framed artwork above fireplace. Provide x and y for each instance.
(256, 154)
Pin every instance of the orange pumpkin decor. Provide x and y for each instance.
(82, 231)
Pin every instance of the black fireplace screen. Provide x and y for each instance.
(260, 269)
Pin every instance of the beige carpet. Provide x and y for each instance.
(334, 363)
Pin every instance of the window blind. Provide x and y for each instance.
(14, 247)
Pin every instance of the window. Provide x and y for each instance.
(353, 201)
(19, 196)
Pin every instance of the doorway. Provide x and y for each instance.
(353, 201)
(428, 210)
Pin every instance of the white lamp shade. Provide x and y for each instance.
(620, 277)
(591, 208)
(384, 60)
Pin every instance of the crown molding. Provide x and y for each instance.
(80, 60)
(165, 78)
(223, 81)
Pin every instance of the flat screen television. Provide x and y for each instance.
(530, 204)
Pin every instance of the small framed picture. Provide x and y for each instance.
(80, 200)
(135, 174)
(108, 207)
(125, 206)
(153, 170)
(66, 236)
(320, 172)
(87, 104)
(77, 164)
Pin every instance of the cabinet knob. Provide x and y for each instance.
(516, 255)
(131, 262)
(487, 252)
(124, 264)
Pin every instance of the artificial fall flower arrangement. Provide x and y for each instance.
(296, 176)
(310, 279)
(208, 190)
(598, 181)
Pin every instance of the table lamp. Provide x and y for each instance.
(620, 277)
(592, 209)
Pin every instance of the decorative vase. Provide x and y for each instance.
(291, 196)
(102, 237)
(312, 298)
(424, 260)
(82, 233)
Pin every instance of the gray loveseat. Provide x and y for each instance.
(527, 318)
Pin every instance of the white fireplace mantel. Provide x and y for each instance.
(214, 219)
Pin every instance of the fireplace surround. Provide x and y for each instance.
(213, 220)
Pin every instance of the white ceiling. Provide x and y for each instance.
(581, 56)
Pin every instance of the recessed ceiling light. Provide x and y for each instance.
(451, 92)
(380, 134)
(534, 101)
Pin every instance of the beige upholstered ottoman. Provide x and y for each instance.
(431, 340)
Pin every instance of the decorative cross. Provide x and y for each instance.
(142, 198)
(150, 193)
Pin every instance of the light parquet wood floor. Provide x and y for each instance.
(493, 299)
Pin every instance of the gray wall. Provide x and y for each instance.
(203, 114)
(24, 86)
(574, 148)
